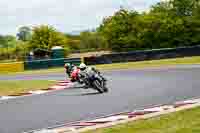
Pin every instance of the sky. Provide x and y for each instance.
(64, 15)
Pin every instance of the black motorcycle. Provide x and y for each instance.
(97, 82)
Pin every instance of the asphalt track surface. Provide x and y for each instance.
(129, 90)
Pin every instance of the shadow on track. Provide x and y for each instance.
(88, 94)
(82, 94)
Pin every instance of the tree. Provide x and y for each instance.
(171, 23)
(45, 37)
(183, 7)
(10, 40)
(7, 41)
(196, 10)
(161, 7)
(24, 33)
(73, 42)
(121, 30)
(7, 44)
(91, 40)
(3, 42)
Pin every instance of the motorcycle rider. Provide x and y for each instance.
(86, 72)
(69, 68)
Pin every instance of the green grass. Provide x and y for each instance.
(129, 65)
(186, 121)
(41, 71)
(15, 87)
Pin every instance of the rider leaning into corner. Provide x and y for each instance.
(86, 72)
(69, 68)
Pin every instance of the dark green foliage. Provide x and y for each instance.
(168, 24)
(24, 33)
(91, 40)
(45, 37)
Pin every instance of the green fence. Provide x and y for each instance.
(50, 63)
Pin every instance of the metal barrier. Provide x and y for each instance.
(50, 63)
(103, 59)
(143, 55)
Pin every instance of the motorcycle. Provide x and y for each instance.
(97, 82)
(74, 75)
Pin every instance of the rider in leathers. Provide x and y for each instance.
(87, 72)
(69, 68)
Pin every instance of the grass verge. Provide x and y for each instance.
(186, 121)
(22, 86)
(129, 65)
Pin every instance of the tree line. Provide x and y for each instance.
(168, 24)
(171, 23)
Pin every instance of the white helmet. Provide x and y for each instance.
(82, 66)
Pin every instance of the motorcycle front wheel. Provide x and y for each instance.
(98, 86)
